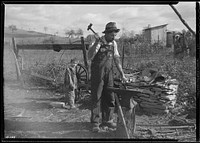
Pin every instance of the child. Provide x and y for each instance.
(70, 83)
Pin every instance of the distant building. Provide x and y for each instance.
(157, 34)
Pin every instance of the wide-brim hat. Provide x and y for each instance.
(110, 27)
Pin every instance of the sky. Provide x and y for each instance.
(62, 17)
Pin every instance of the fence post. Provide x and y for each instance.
(15, 53)
(123, 54)
(16, 56)
(84, 53)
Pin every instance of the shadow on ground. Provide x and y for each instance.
(55, 129)
(33, 105)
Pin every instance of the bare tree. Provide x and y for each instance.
(79, 32)
(131, 33)
(70, 33)
(12, 27)
(56, 33)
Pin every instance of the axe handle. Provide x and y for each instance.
(97, 36)
(122, 116)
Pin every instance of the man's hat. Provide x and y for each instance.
(110, 27)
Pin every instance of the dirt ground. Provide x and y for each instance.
(29, 114)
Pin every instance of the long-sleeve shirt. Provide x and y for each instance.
(70, 80)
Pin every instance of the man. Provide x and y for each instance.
(101, 53)
(70, 83)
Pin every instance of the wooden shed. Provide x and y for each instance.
(156, 34)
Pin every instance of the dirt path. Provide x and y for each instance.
(28, 114)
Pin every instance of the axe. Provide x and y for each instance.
(90, 28)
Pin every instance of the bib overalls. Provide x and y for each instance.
(101, 78)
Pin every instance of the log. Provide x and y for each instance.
(166, 126)
(147, 92)
(170, 92)
(157, 93)
(173, 87)
(156, 89)
(51, 46)
(147, 99)
(157, 111)
(168, 97)
(143, 95)
(153, 106)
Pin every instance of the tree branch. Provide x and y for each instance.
(183, 21)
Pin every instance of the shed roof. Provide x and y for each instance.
(155, 27)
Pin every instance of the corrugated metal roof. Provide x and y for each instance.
(156, 27)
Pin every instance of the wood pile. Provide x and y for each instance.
(157, 95)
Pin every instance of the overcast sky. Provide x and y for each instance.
(58, 17)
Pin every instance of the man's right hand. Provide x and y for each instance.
(124, 79)
(97, 36)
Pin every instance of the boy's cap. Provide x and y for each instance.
(74, 61)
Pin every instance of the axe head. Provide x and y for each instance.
(89, 26)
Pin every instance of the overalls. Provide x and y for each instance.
(101, 78)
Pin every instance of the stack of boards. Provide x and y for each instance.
(159, 97)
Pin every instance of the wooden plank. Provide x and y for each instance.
(123, 54)
(126, 91)
(51, 46)
(84, 53)
(15, 54)
(167, 126)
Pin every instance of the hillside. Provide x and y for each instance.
(19, 33)
(33, 37)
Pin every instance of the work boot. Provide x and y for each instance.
(95, 127)
(73, 107)
(109, 124)
(66, 106)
